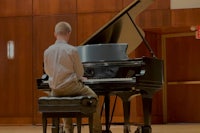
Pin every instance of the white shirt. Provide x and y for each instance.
(62, 64)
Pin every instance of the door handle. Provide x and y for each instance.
(10, 50)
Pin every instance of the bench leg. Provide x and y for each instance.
(44, 123)
(79, 124)
(90, 123)
(55, 125)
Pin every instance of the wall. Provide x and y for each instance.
(30, 24)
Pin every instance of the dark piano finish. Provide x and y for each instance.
(109, 70)
(124, 78)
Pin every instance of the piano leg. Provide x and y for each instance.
(126, 107)
(147, 106)
(107, 113)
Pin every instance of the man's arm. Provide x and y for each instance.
(78, 66)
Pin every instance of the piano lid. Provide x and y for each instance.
(121, 29)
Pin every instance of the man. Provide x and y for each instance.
(65, 70)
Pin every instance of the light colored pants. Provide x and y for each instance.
(77, 88)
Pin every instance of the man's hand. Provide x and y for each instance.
(83, 78)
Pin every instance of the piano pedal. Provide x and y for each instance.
(143, 129)
(104, 131)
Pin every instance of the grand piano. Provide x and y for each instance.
(110, 71)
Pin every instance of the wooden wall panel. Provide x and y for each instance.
(15, 8)
(154, 18)
(182, 65)
(16, 99)
(185, 17)
(158, 14)
(92, 6)
(53, 7)
(43, 37)
(157, 4)
(136, 112)
(160, 4)
(127, 2)
(153, 41)
(183, 102)
(88, 24)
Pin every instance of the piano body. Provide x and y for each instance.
(111, 72)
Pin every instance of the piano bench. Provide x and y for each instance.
(66, 107)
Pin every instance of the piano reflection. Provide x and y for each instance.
(111, 72)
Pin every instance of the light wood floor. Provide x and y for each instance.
(165, 128)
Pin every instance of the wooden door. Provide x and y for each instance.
(16, 97)
(182, 78)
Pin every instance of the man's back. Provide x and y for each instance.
(59, 63)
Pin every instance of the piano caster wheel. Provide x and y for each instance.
(143, 129)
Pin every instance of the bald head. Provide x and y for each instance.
(63, 31)
(62, 28)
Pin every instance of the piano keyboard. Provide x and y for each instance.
(100, 81)
(110, 80)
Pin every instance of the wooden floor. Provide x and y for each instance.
(166, 128)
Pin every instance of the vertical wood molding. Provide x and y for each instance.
(163, 43)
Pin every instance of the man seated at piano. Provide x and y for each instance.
(65, 70)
